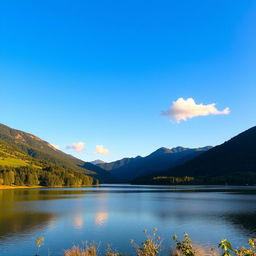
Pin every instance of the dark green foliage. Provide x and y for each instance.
(174, 180)
(48, 176)
(8, 177)
(165, 180)
(248, 178)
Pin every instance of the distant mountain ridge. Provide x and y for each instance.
(128, 169)
(117, 164)
(233, 162)
(124, 170)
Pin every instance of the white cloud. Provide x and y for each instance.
(182, 109)
(101, 150)
(78, 146)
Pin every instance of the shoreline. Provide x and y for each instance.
(2, 187)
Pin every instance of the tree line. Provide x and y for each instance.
(237, 178)
(49, 175)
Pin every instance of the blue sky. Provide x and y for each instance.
(102, 72)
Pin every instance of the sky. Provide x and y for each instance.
(113, 79)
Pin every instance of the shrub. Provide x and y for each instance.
(151, 246)
(88, 250)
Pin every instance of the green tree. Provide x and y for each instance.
(32, 179)
(9, 177)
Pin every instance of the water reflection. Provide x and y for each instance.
(116, 214)
(78, 221)
(20, 223)
(101, 215)
(12, 195)
(244, 221)
(19, 216)
(101, 218)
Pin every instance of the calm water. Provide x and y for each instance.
(116, 214)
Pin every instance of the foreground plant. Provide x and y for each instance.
(111, 252)
(228, 250)
(151, 246)
(184, 247)
(88, 250)
(39, 243)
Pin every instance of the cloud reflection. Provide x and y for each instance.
(78, 221)
(100, 218)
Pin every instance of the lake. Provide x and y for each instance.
(114, 214)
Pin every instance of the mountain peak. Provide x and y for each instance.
(164, 150)
(160, 151)
(178, 149)
(97, 161)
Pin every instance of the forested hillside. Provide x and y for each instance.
(27, 160)
(233, 162)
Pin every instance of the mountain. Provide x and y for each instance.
(233, 162)
(96, 162)
(163, 150)
(27, 159)
(128, 169)
(117, 164)
(21, 149)
(104, 176)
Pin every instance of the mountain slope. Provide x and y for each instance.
(18, 148)
(37, 148)
(104, 176)
(159, 160)
(19, 168)
(233, 162)
(117, 164)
